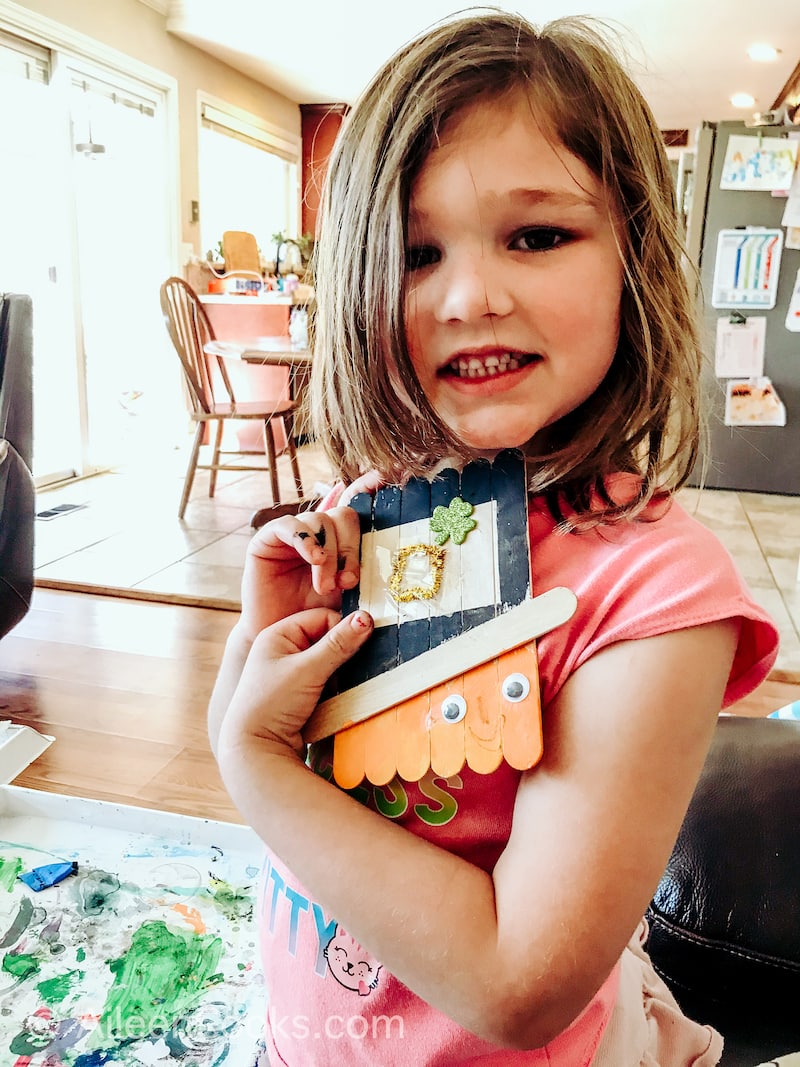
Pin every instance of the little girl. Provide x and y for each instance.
(499, 267)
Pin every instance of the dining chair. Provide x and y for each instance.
(242, 259)
(190, 331)
(240, 252)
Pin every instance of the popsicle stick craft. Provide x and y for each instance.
(450, 675)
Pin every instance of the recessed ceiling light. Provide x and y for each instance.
(742, 100)
(763, 53)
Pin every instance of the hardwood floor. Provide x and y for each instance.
(123, 685)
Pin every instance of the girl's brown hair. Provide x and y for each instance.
(367, 406)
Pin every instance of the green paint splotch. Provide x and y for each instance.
(54, 990)
(159, 979)
(10, 869)
(235, 902)
(20, 965)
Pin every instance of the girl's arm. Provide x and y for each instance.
(515, 955)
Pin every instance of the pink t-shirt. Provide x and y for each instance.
(331, 1001)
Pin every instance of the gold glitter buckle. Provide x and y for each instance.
(435, 556)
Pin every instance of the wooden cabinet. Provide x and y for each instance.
(240, 318)
(320, 124)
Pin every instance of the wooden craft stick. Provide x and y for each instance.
(444, 487)
(520, 624)
(447, 738)
(482, 736)
(413, 752)
(348, 758)
(521, 723)
(380, 744)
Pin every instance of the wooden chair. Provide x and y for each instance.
(242, 261)
(240, 252)
(190, 330)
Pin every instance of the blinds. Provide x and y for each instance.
(24, 59)
(213, 118)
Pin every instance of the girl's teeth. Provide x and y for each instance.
(479, 368)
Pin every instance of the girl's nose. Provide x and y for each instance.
(472, 288)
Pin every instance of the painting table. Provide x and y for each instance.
(146, 955)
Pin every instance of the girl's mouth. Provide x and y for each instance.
(471, 367)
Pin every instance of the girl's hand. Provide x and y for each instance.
(298, 562)
(282, 680)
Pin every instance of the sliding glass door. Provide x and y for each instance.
(85, 229)
(36, 246)
(120, 178)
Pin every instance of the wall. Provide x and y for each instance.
(321, 124)
(137, 30)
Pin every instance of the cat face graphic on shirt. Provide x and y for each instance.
(351, 965)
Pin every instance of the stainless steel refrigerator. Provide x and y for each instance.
(753, 458)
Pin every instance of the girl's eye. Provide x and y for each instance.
(539, 239)
(421, 256)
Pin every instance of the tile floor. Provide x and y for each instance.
(128, 537)
(127, 534)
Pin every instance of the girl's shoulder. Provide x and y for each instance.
(641, 578)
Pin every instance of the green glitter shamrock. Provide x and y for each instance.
(453, 521)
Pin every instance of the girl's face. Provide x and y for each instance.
(514, 278)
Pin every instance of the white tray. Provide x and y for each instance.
(19, 747)
(148, 955)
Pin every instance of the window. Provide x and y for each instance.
(248, 178)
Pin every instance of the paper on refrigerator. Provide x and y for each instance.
(739, 351)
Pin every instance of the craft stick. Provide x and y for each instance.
(357, 669)
(380, 744)
(362, 505)
(413, 752)
(477, 488)
(380, 652)
(447, 738)
(517, 626)
(521, 723)
(482, 733)
(414, 634)
(348, 758)
(444, 487)
(508, 481)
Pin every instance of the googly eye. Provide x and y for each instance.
(454, 708)
(515, 688)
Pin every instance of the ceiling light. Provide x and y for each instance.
(763, 53)
(742, 100)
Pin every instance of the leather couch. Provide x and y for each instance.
(725, 920)
(17, 497)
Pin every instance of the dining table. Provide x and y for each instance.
(273, 351)
(276, 351)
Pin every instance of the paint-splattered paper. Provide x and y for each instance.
(146, 956)
(754, 162)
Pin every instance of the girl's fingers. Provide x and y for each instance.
(367, 483)
(348, 542)
(335, 647)
(327, 540)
